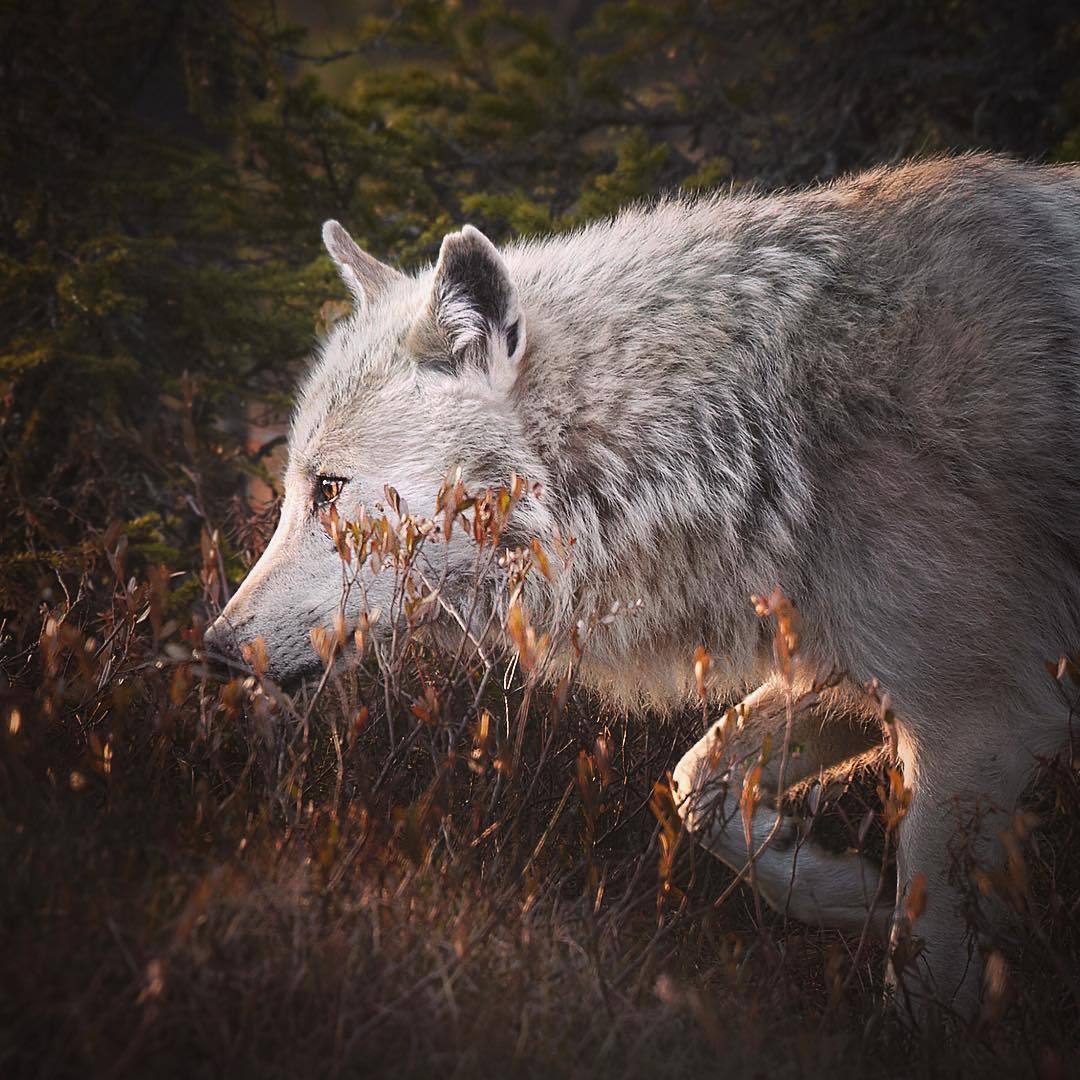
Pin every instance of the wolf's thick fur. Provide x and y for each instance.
(866, 393)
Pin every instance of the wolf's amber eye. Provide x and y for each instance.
(327, 489)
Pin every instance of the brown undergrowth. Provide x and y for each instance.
(427, 862)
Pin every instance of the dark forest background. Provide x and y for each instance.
(179, 893)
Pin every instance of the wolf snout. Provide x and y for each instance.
(221, 648)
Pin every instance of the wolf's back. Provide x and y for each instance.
(761, 373)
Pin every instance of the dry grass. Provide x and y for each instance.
(370, 878)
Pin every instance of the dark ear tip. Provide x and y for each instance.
(470, 238)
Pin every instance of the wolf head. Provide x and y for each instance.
(417, 382)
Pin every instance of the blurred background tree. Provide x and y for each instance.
(167, 166)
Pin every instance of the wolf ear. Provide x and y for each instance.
(365, 276)
(474, 303)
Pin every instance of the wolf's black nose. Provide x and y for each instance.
(221, 650)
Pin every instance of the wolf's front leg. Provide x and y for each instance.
(811, 884)
(966, 779)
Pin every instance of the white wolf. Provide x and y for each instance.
(867, 393)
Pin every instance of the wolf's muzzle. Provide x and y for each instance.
(221, 650)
